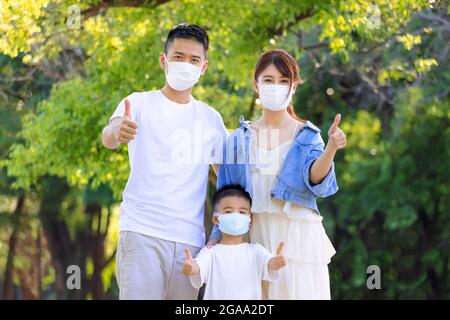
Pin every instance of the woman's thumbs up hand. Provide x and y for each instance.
(336, 137)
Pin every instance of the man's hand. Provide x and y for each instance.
(121, 129)
(189, 266)
(336, 137)
(279, 261)
(125, 130)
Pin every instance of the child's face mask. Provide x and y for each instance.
(234, 223)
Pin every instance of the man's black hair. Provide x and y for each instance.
(230, 190)
(188, 31)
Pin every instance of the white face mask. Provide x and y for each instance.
(233, 223)
(182, 75)
(275, 97)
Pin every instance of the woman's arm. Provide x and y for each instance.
(322, 165)
(215, 236)
(336, 140)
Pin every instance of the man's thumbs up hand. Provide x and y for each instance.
(336, 137)
(127, 109)
(125, 130)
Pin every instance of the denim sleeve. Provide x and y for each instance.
(328, 186)
(222, 176)
(215, 233)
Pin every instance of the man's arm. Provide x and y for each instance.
(220, 146)
(215, 167)
(109, 138)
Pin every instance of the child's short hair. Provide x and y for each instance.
(230, 190)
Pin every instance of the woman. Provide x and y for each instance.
(281, 161)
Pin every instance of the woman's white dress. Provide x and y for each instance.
(307, 247)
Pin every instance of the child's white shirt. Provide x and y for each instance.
(233, 272)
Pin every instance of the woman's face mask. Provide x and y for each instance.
(275, 97)
(234, 223)
(182, 75)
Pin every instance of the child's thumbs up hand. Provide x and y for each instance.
(278, 261)
(188, 266)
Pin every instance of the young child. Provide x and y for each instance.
(233, 269)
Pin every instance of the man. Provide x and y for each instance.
(172, 139)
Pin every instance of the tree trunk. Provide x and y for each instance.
(8, 286)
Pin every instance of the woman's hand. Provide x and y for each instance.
(336, 137)
(212, 243)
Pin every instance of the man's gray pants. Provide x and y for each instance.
(149, 268)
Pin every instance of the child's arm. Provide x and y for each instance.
(189, 267)
(278, 261)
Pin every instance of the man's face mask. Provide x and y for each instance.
(182, 75)
(234, 223)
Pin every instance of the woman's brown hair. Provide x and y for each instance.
(285, 64)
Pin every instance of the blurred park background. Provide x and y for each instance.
(384, 65)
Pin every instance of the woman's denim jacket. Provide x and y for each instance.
(292, 183)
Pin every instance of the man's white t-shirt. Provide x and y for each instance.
(169, 162)
(233, 272)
